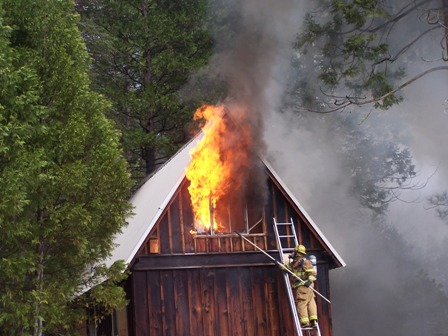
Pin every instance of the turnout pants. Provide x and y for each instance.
(306, 305)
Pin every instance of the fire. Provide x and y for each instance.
(215, 171)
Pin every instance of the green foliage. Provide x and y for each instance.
(351, 51)
(63, 181)
(439, 202)
(357, 12)
(105, 291)
(144, 53)
(379, 167)
(379, 87)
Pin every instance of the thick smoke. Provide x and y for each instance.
(383, 288)
(250, 46)
(395, 282)
(260, 32)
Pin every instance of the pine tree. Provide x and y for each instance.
(144, 52)
(63, 181)
(365, 52)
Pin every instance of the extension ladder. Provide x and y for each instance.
(284, 233)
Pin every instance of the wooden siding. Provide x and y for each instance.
(189, 284)
(211, 301)
(177, 223)
(208, 294)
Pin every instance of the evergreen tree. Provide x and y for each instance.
(380, 166)
(144, 52)
(439, 202)
(63, 181)
(375, 154)
(365, 51)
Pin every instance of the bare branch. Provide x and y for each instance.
(399, 16)
(343, 102)
(405, 48)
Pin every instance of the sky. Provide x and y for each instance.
(394, 266)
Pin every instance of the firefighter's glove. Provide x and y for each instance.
(282, 267)
(307, 283)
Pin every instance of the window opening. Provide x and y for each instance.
(240, 218)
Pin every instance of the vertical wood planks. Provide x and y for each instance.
(247, 304)
(181, 303)
(208, 301)
(187, 219)
(214, 300)
(239, 301)
(222, 307)
(259, 301)
(140, 300)
(195, 302)
(234, 295)
(168, 291)
(176, 237)
(154, 303)
(164, 235)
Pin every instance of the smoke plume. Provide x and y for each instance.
(251, 43)
(394, 282)
(260, 31)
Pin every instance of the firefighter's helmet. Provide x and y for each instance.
(300, 249)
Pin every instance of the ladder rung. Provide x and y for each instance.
(289, 226)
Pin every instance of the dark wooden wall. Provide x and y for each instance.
(184, 284)
(172, 234)
(211, 301)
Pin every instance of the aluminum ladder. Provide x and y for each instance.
(284, 233)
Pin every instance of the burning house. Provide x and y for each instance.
(191, 273)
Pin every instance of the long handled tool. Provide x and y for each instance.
(281, 265)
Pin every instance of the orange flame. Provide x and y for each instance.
(215, 167)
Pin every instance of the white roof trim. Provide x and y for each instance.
(149, 201)
(315, 227)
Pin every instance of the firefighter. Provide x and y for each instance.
(304, 295)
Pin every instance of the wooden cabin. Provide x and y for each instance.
(185, 284)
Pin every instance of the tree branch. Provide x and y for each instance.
(400, 16)
(404, 49)
(343, 102)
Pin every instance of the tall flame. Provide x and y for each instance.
(215, 167)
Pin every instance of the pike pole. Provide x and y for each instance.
(281, 265)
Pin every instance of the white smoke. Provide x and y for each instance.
(378, 291)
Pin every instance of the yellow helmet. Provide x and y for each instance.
(300, 249)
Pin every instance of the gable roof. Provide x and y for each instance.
(304, 213)
(153, 196)
(149, 201)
